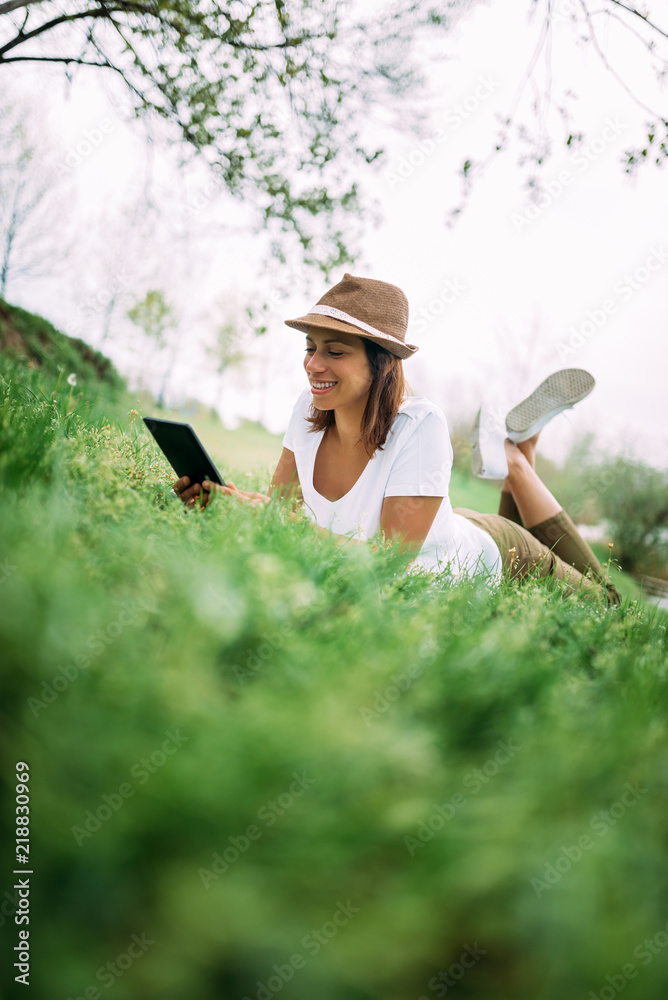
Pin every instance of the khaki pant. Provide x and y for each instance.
(552, 548)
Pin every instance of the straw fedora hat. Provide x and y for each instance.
(365, 307)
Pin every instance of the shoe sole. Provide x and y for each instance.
(477, 459)
(557, 393)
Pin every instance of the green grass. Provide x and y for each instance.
(26, 336)
(167, 674)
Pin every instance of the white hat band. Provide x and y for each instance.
(347, 318)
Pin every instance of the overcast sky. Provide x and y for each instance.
(509, 293)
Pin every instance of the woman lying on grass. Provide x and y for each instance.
(361, 453)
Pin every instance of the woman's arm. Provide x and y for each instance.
(409, 520)
(285, 479)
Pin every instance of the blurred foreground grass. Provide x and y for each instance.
(263, 765)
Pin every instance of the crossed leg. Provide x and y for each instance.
(526, 500)
(535, 535)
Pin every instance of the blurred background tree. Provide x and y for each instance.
(122, 259)
(270, 94)
(589, 24)
(634, 501)
(156, 318)
(227, 350)
(287, 100)
(32, 233)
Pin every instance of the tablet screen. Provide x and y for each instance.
(183, 450)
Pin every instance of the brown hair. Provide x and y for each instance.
(388, 389)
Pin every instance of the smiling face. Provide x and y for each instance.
(338, 369)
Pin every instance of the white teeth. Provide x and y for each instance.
(322, 385)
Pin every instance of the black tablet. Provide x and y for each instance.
(183, 450)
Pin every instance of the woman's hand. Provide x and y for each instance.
(231, 491)
(185, 492)
(189, 494)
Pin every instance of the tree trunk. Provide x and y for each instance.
(106, 323)
(7, 253)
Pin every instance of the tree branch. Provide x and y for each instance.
(6, 8)
(602, 57)
(62, 59)
(627, 27)
(642, 16)
(530, 68)
(123, 73)
(63, 19)
(106, 10)
(107, 64)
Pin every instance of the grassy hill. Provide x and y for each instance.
(262, 765)
(26, 336)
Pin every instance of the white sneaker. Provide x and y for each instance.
(558, 392)
(488, 455)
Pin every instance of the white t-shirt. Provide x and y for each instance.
(416, 460)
